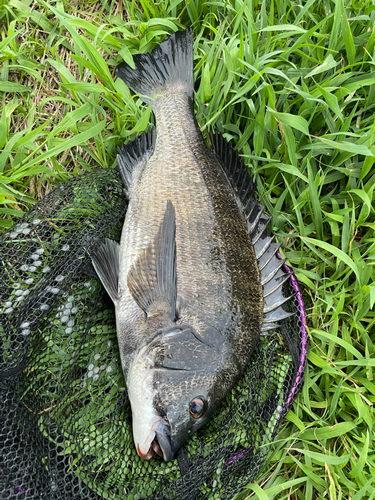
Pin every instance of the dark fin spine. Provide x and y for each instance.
(272, 285)
(262, 246)
(154, 275)
(235, 171)
(169, 64)
(276, 315)
(267, 255)
(275, 304)
(133, 153)
(266, 327)
(275, 285)
(263, 231)
(270, 267)
(254, 217)
(106, 262)
(270, 271)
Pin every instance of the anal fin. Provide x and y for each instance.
(153, 276)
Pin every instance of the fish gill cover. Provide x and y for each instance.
(66, 416)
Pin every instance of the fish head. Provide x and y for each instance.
(175, 382)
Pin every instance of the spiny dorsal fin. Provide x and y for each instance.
(235, 171)
(106, 262)
(271, 274)
(135, 153)
(153, 275)
(272, 277)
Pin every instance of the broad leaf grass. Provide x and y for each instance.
(292, 85)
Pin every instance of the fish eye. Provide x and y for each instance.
(197, 407)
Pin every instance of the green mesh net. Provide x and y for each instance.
(66, 421)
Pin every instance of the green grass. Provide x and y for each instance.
(292, 84)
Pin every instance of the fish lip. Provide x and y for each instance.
(159, 441)
(162, 430)
(145, 456)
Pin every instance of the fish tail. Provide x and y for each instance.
(168, 66)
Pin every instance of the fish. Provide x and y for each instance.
(195, 279)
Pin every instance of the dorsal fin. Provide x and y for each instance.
(133, 154)
(271, 273)
(235, 171)
(153, 276)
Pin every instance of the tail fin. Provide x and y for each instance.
(169, 65)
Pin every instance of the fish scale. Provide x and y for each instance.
(174, 169)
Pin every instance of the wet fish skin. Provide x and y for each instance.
(200, 346)
(211, 271)
(213, 274)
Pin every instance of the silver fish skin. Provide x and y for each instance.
(184, 279)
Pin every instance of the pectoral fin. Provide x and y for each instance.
(153, 275)
(106, 262)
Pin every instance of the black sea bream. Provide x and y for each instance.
(186, 279)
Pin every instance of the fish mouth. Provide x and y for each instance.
(158, 441)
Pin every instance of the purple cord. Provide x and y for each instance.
(240, 455)
(302, 360)
(304, 340)
(18, 490)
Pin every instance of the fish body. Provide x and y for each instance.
(185, 279)
(218, 284)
